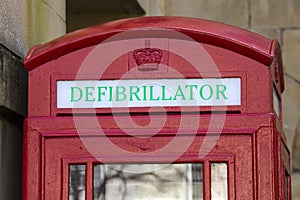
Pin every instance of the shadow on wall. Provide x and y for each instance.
(80, 14)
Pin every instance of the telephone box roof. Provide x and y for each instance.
(226, 36)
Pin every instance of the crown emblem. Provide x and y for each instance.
(147, 58)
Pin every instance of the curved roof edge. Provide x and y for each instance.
(229, 37)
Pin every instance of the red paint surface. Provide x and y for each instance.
(251, 141)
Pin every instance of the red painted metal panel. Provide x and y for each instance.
(43, 80)
(233, 38)
(60, 144)
(251, 139)
(229, 47)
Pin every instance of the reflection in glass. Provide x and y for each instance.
(197, 174)
(153, 182)
(77, 182)
(219, 186)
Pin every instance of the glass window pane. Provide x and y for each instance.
(148, 181)
(197, 173)
(219, 186)
(77, 182)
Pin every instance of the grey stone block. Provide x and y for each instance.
(10, 158)
(13, 82)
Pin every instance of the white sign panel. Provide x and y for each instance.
(149, 93)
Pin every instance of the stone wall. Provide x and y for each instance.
(11, 34)
(13, 101)
(22, 25)
(43, 20)
(27, 23)
(278, 19)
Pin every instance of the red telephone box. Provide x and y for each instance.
(156, 108)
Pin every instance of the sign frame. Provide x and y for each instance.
(149, 93)
(233, 109)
